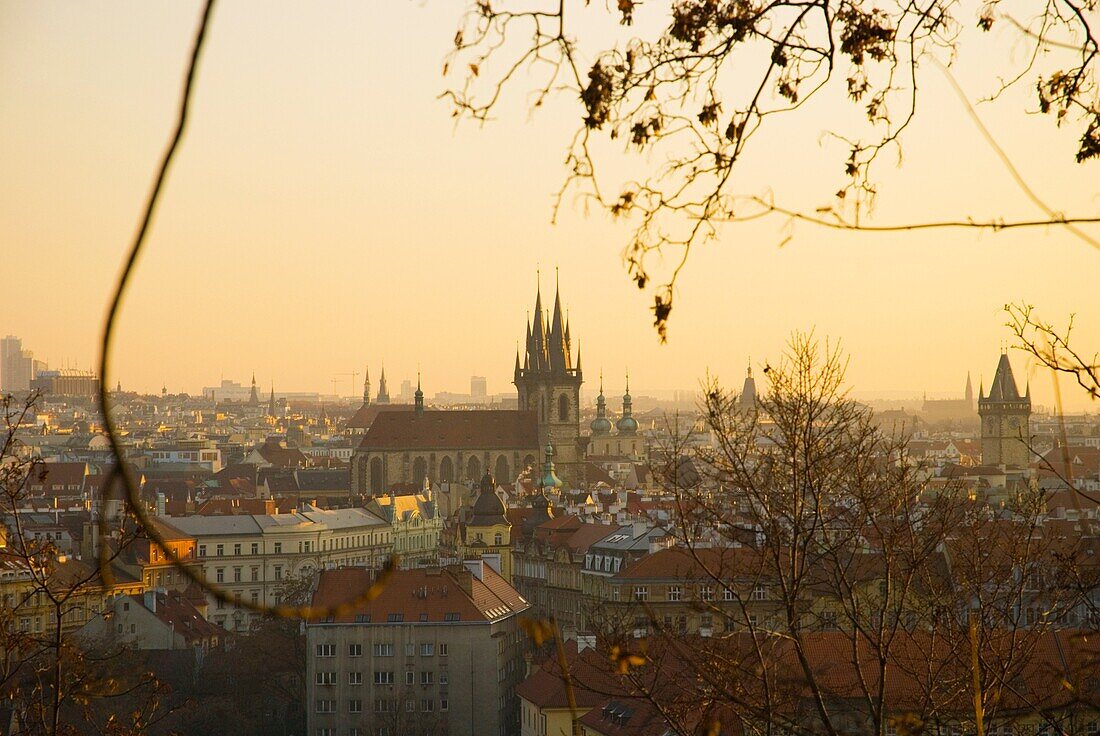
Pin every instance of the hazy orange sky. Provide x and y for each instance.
(326, 212)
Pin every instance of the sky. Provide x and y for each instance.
(327, 213)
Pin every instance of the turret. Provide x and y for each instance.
(383, 394)
(627, 424)
(366, 386)
(419, 397)
(601, 424)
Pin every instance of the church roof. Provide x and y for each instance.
(364, 417)
(488, 429)
(1004, 385)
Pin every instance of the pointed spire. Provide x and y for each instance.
(366, 385)
(254, 396)
(271, 402)
(419, 395)
(557, 349)
(383, 392)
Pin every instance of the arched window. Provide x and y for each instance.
(473, 469)
(501, 470)
(446, 470)
(563, 408)
(376, 476)
(498, 539)
(420, 471)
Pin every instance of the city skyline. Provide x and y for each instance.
(409, 238)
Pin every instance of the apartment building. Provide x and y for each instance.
(254, 556)
(439, 651)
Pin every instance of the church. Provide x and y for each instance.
(405, 447)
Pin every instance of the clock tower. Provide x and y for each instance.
(1005, 420)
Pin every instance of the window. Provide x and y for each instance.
(383, 650)
(278, 548)
(760, 593)
(237, 548)
(427, 705)
(727, 594)
(427, 650)
(219, 574)
(383, 706)
(443, 650)
(410, 678)
(355, 678)
(828, 620)
(444, 678)
(202, 550)
(362, 618)
(706, 592)
(641, 592)
(355, 650)
(326, 678)
(326, 650)
(675, 592)
(278, 572)
(395, 618)
(219, 550)
(326, 706)
(444, 705)
(355, 706)
(410, 650)
(255, 574)
(410, 706)
(255, 548)
(498, 539)
(452, 616)
(563, 408)
(383, 677)
(427, 678)
(236, 574)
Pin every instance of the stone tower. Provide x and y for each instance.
(550, 385)
(1005, 420)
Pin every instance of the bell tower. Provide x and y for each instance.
(1006, 416)
(549, 385)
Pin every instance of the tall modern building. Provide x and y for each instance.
(1005, 420)
(17, 366)
(478, 387)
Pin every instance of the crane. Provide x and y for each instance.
(354, 376)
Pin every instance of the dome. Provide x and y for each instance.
(627, 425)
(601, 425)
(488, 508)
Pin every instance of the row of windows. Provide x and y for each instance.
(427, 649)
(705, 592)
(427, 705)
(384, 677)
(303, 546)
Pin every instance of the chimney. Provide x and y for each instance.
(640, 528)
(476, 568)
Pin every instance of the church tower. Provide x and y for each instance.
(1005, 420)
(550, 386)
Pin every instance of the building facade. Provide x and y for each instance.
(438, 651)
(1005, 415)
(257, 557)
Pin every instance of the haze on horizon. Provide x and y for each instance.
(326, 213)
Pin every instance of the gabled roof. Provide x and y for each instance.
(425, 595)
(481, 429)
(365, 416)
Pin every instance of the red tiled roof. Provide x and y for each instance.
(366, 415)
(423, 595)
(482, 429)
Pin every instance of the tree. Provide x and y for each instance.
(51, 681)
(689, 83)
(843, 590)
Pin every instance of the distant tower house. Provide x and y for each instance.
(1005, 420)
(549, 385)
